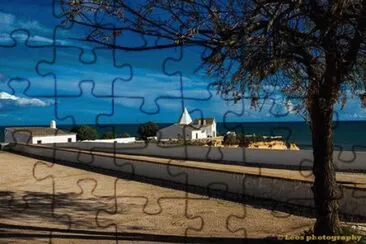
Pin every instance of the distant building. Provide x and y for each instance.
(231, 133)
(189, 129)
(38, 135)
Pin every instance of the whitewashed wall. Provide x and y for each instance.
(344, 160)
(26, 137)
(352, 200)
(201, 134)
(173, 131)
(211, 129)
(53, 139)
(117, 140)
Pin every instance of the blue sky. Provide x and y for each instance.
(91, 88)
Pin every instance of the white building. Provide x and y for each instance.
(187, 128)
(38, 135)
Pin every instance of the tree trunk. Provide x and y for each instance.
(325, 188)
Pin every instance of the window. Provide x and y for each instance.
(69, 140)
(214, 134)
(196, 135)
(39, 141)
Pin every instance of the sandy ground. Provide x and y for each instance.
(41, 201)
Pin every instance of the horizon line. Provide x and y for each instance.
(244, 122)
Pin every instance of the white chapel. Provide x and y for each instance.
(189, 129)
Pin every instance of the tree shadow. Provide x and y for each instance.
(49, 208)
(9, 231)
(35, 207)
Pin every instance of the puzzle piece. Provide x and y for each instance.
(29, 203)
(153, 76)
(99, 61)
(76, 108)
(212, 218)
(76, 197)
(153, 81)
(12, 39)
(195, 88)
(25, 68)
(139, 67)
(129, 205)
(17, 99)
(72, 31)
(44, 170)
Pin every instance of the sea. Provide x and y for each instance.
(348, 135)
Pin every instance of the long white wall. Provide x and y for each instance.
(118, 140)
(344, 160)
(53, 139)
(352, 201)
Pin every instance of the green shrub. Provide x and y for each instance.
(85, 132)
(125, 135)
(109, 135)
(151, 140)
(148, 129)
(198, 142)
(210, 143)
(243, 141)
(230, 139)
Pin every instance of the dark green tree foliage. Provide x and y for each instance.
(243, 141)
(85, 132)
(109, 135)
(148, 129)
(125, 135)
(230, 139)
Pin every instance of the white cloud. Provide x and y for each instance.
(5, 38)
(6, 19)
(31, 25)
(10, 22)
(126, 102)
(40, 39)
(157, 85)
(32, 38)
(8, 101)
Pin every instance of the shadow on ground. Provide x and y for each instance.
(35, 207)
(28, 233)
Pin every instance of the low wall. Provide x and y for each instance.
(118, 140)
(344, 160)
(352, 200)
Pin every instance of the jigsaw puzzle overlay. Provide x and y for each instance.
(106, 87)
